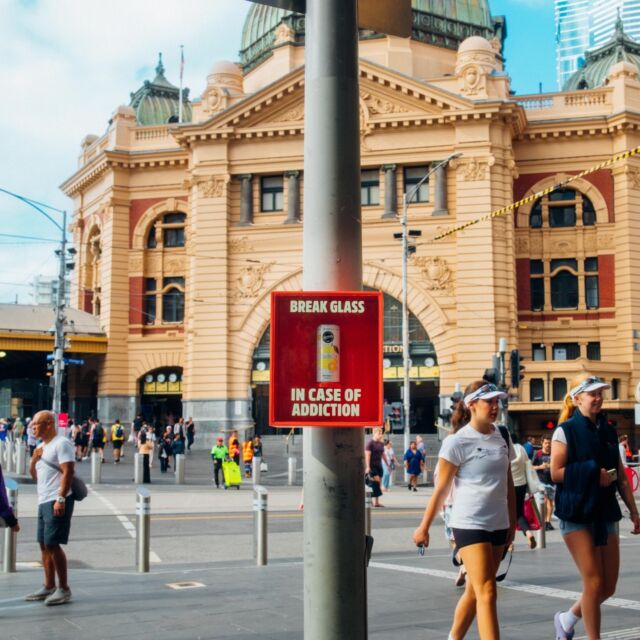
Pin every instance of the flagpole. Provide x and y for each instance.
(181, 74)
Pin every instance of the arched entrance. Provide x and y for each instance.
(161, 395)
(424, 372)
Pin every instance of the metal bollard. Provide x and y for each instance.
(180, 463)
(96, 468)
(21, 464)
(3, 450)
(539, 507)
(368, 495)
(9, 467)
(10, 538)
(256, 474)
(138, 468)
(292, 470)
(260, 495)
(143, 529)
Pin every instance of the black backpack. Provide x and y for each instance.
(98, 434)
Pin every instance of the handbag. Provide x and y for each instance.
(264, 467)
(533, 482)
(79, 489)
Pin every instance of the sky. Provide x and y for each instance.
(68, 64)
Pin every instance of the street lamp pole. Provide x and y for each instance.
(58, 348)
(406, 199)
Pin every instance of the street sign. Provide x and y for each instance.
(79, 361)
(326, 359)
(392, 17)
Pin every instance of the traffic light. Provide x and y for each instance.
(517, 369)
(549, 424)
(396, 417)
(492, 375)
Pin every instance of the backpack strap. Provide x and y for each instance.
(504, 432)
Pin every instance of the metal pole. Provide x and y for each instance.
(10, 538)
(406, 385)
(143, 529)
(180, 465)
(256, 474)
(96, 467)
(539, 506)
(260, 495)
(138, 468)
(334, 539)
(368, 497)
(292, 464)
(21, 465)
(9, 456)
(58, 351)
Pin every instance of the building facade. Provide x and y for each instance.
(45, 290)
(184, 230)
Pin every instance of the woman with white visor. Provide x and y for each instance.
(586, 467)
(476, 460)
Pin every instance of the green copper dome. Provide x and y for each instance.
(444, 23)
(157, 101)
(594, 72)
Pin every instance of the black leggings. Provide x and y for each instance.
(521, 492)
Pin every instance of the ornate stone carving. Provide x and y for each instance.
(474, 168)
(591, 242)
(565, 246)
(473, 80)
(135, 263)
(174, 265)
(284, 34)
(295, 114)
(214, 99)
(634, 177)
(251, 280)
(240, 245)
(436, 272)
(606, 241)
(379, 106)
(213, 186)
(522, 245)
(535, 245)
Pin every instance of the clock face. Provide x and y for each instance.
(429, 362)
(173, 377)
(261, 366)
(161, 377)
(148, 378)
(386, 363)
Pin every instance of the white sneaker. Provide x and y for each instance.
(59, 596)
(41, 594)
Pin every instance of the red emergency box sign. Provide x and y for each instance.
(326, 359)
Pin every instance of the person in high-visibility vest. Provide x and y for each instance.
(247, 457)
(234, 447)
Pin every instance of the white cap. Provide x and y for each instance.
(590, 384)
(485, 392)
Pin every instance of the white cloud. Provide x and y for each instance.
(67, 64)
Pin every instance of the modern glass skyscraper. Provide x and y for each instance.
(583, 24)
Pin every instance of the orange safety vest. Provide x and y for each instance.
(234, 447)
(247, 451)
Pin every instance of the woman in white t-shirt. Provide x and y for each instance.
(476, 460)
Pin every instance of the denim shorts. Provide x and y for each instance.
(567, 527)
(52, 529)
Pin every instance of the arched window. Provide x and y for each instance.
(173, 299)
(564, 284)
(151, 238)
(170, 229)
(562, 208)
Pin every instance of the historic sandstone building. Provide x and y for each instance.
(184, 230)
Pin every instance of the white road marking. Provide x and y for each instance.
(548, 592)
(620, 634)
(129, 527)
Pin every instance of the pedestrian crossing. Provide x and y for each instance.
(622, 634)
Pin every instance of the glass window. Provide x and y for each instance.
(538, 352)
(174, 237)
(593, 351)
(149, 302)
(588, 212)
(413, 175)
(537, 294)
(566, 351)
(272, 193)
(564, 291)
(151, 238)
(370, 187)
(562, 194)
(535, 217)
(173, 299)
(591, 292)
(572, 263)
(536, 390)
(536, 267)
(591, 264)
(559, 388)
(174, 218)
(562, 216)
(615, 388)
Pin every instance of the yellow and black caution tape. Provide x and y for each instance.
(534, 196)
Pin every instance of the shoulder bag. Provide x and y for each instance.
(78, 487)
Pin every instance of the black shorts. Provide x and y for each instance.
(54, 529)
(117, 444)
(97, 445)
(466, 537)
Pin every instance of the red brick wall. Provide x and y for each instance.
(602, 180)
(607, 281)
(136, 289)
(523, 274)
(87, 297)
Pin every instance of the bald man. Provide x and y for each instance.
(52, 468)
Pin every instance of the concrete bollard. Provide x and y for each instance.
(96, 468)
(539, 507)
(10, 538)
(9, 466)
(138, 468)
(143, 529)
(180, 465)
(292, 468)
(21, 463)
(368, 498)
(260, 495)
(256, 474)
